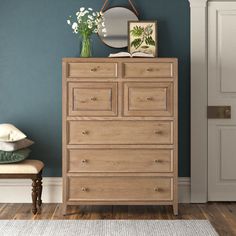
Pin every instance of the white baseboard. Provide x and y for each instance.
(19, 190)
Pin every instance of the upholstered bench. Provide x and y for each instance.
(28, 169)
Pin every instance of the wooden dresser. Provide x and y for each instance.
(120, 131)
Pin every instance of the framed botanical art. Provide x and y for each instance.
(142, 37)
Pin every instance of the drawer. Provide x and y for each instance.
(91, 188)
(148, 99)
(120, 160)
(120, 132)
(92, 99)
(148, 70)
(92, 70)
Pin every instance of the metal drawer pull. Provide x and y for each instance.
(94, 69)
(84, 189)
(85, 132)
(158, 132)
(150, 98)
(157, 189)
(152, 69)
(84, 161)
(158, 161)
(93, 99)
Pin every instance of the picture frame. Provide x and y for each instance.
(138, 42)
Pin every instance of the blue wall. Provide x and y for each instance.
(34, 37)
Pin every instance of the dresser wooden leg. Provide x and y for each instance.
(175, 209)
(34, 196)
(64, 208)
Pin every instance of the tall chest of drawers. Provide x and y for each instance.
(120, 131)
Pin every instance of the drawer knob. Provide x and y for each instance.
(150, 98)
(84, 189)
(158, 132)
(156, 189)
(149, 69)
(93, 99)
(84, 161)
(85, 132)
(158, 161)
(94, 69)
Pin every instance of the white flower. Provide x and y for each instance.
(94, 14)
(103, 24)
(105, 35)
(90, 26)
(89, 22)
(75, 31)
(91, 9)
(95, 31)
(68, 22)
(90, 17)
(77, 13)
(104, 30)
(85, 12)
(82, 9)
(74, 26)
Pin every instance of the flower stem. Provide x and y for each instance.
(86, 46)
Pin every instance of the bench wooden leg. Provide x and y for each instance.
(34, 195)
(39, 189)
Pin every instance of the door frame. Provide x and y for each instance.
(199, 85)
(199, 71)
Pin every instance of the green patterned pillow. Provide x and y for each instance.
(12, 157)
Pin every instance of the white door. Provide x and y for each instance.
(222, 92)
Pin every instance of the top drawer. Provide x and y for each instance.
(92, 70)
(148, 70)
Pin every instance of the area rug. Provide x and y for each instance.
(106, 228)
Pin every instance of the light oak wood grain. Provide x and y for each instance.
(119, 135)
(91, 188)
(147, 70)
(121, 160)
(91, 70)
(148, 99)
(92, 99)
(120, 132)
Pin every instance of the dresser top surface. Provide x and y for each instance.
(118, 59)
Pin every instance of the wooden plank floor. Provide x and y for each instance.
(221, 215)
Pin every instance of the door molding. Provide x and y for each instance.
(199, 100)
(199, 22)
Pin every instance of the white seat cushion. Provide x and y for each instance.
(24, 167)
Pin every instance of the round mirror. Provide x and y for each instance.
(114, 29)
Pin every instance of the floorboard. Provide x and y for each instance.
(221, 215)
